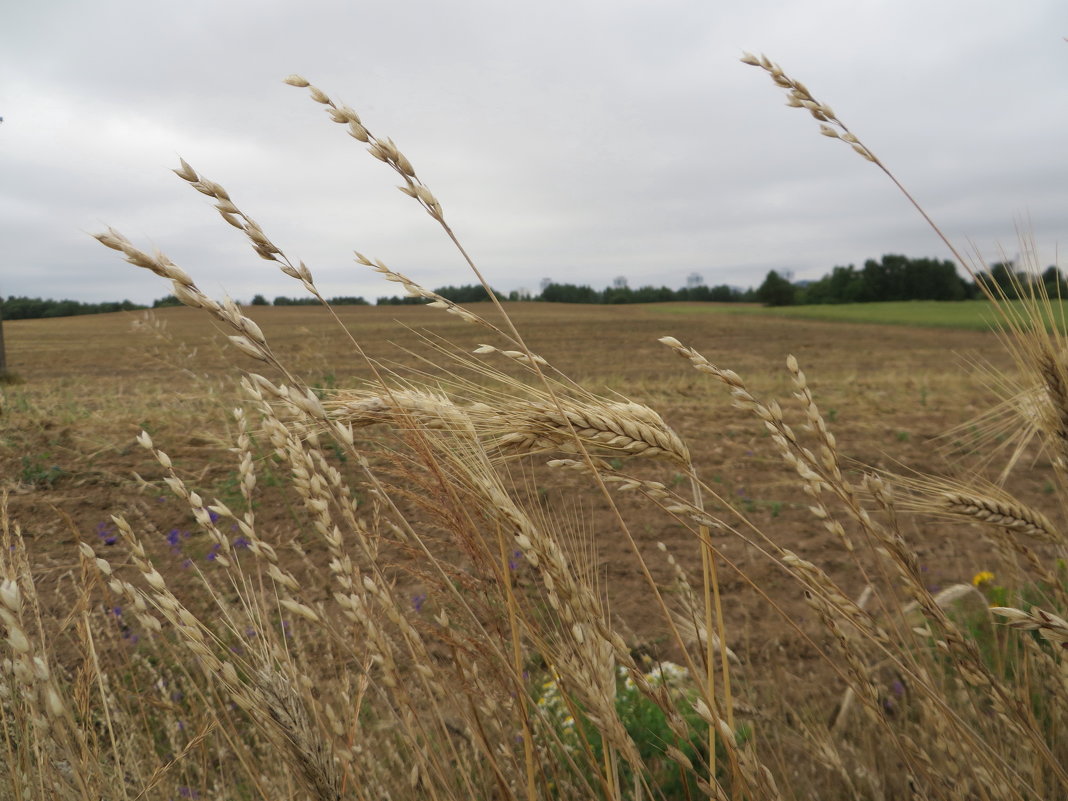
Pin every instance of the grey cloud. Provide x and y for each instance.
(580, 140)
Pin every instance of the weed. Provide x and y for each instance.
(36, 472)
(646, 722)
(325, 385)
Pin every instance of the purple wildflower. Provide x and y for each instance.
(106, 533)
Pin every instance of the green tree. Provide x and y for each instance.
(723, 294)
(1054, 281)
(776, 291)
(468, 293)
(570, 293)
(1003, 279)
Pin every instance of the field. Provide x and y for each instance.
(890, 394)
(414, 552)
(92, 383)
(975, 315)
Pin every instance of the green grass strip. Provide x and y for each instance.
(975, 315)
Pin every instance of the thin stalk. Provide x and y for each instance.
(713, 609)
(517, 666)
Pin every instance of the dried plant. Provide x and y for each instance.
(382, 641)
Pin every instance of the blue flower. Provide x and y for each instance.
(106, 533)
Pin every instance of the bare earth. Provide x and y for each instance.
(90, 384)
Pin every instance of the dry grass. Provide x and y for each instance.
(455, 577)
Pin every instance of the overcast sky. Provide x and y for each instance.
(578, 140)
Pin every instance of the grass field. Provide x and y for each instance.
(974, 315)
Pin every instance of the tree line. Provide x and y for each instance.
(896, 277)
(20, 308)
(583, 293)
(572, 293)
(893, 277)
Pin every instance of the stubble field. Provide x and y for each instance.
(91, 384)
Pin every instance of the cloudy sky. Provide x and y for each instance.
(577, 140)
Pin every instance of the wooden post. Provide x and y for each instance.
(3, 355)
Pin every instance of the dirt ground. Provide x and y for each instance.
(889, 394)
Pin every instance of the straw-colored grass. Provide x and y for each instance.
(382, 640)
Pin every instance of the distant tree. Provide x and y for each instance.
(776, 291)
(617, 294)
(892, 278)
(692, 293)
(468, 293)
(570, 293)
(843, 285)
(16, 308)
(1055, 284)
(930, 279)
(1003, 276)
(652, 294)
(348, 300)
(166, 300)
(259, 300)
(723, 294)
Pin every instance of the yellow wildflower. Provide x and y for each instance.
(982, 577)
